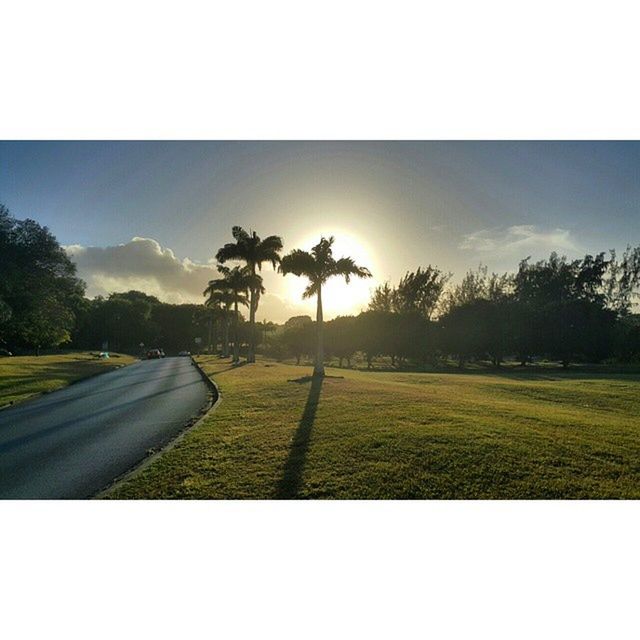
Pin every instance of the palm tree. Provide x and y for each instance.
(253, 251)
(319, 265)
(218, 297)
(267, 327)
(231, 289)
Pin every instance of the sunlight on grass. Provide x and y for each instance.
(399, 435)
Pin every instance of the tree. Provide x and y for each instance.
(375, 334)
(383, 298)
(628, 338)
(123, 321)
(222, 300)
(46, 325)
(622, 280)
(297, 336)
(38, 284)
(479, 329)
(318, 266)
(420, 291)
(253, 251)
(235, 284)
(179, 325)
(478, 285)
(563, 311)
(5, 315)
(266, 326)
(342, 338)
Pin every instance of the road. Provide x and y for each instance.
(72, 443)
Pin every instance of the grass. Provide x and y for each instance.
(405, 435)
(22, 377)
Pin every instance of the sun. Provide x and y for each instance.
(338, 298)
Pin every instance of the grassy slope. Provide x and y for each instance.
(394, 435)
(24, 376)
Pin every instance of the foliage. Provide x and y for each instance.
(622, 280)
(478, 285)
(342, 338)
(38, 285)
(253, 251)
(419, 291)
(298, 337)
(229, 290)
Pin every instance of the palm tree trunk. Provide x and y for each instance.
(251, 356)
(236, 346)
(318, 369)
(225, 338)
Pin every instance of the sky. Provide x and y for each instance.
(151, 215)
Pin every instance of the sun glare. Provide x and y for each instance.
(338, 298)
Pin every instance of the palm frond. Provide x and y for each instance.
(322, 252)
(298, 262)
(230, 251)
(311, 290)
(269, 251)
(347, 267)
(239, 234)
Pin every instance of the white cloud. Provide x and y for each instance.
(518, 240)
(143, 264)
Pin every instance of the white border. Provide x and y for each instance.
(351, 70)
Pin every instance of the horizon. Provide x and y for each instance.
(151, 215)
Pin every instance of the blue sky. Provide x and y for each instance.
(396, 204)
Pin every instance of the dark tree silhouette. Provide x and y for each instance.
(318, 266)
(253, 251)
(232, 288)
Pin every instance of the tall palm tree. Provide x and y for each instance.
(231, 289)
(267, 327)
(319, 265)
(220, 303)
(253, 251)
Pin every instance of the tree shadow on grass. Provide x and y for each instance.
(291, 480)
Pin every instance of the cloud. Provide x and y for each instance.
(518, 240)
(143, 264)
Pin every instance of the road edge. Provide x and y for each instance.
(39, 394)
(213, 402)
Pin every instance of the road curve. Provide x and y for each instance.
(72, 443)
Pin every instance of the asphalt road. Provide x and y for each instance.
(72, 443)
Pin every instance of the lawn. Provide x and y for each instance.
(514, 434)
(24, 376)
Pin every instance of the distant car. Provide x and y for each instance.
(153, 354)
(5, 353)
(161, 353)
(185, 353)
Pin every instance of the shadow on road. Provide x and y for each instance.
(289, 485)
(47, 431)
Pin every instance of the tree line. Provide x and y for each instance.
(555, 309)
(560, 309)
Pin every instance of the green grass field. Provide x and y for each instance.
(24, 376)
(514, 434)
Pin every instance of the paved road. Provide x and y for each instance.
(74, 442)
